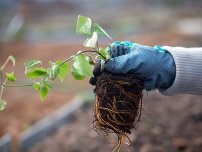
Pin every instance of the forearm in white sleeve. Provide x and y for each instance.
(188, 79)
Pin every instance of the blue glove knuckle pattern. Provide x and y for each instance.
(154, 63)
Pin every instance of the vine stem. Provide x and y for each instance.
(3, 84)
(4, 65)
(20, 85)
(1, 93)
(2, 87)
(1, 69)
(85, 51)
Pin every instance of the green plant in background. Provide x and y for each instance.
(81, 66)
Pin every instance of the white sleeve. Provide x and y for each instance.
(188, 79)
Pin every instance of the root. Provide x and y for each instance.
(118, 104)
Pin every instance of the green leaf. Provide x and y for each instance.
(53, 71)
(11, 77)
(43, 92)
(83, 26)
(91, 42)
(63, 70)
(31, 63)
(97, 28)
(49, 85)
(12, 58)
(104, 53)
(82, 65)
(36, 87)
(2, 104)
(36, 72)
(76, 75)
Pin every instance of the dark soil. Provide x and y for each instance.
(118, 104)
(169, 124)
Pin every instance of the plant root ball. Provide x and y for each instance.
(118, 104)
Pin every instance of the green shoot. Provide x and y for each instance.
(81, 67)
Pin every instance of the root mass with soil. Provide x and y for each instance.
(118, 104)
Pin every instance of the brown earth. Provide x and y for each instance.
(174, 125)
(169, 124)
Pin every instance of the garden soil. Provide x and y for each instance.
(168, 123)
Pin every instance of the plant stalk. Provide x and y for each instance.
(3, 84)
(85, 51)
(20, 85)
(4, 65)
(2, 89)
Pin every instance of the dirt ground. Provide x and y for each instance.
(169, 124)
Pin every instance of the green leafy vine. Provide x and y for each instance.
(81, 67)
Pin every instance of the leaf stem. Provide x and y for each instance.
(1, 93)
(85, 51)
(6, 62)
(3, 84)
(100, 54)
(97, 50)
(20, 85)
(4, 65)
(97, 46)
(2, 87)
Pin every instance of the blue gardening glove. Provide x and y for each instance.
(153, 63)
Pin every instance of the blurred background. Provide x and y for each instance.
(45, 30)
(54, 20)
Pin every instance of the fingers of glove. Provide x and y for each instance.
(142, 48)
(141, 60)
(118, 50)
(121, 48)
(127, 43)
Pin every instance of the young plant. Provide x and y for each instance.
(118, 102)
(82, 62)
(42, 78)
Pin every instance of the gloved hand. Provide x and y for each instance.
(154, 64)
